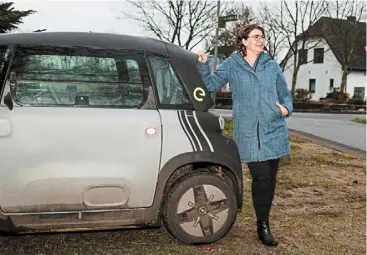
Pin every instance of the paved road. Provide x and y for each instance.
(335, 127)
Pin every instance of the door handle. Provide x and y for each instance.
(4, 127)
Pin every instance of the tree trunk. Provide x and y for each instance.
(294, 78)
(295, 69)
(344, 82)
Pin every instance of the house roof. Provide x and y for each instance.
(343, 36)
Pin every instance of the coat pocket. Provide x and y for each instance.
(272, 110)
(277, 112)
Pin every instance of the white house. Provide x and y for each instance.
(323, 56)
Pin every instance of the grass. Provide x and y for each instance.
(318, 209)
(228, 128)
(360, 120)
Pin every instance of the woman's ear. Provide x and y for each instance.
(244, 42)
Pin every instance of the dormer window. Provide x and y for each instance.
(318, 55)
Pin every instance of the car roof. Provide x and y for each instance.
(86, 39)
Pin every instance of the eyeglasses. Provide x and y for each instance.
(258, 37)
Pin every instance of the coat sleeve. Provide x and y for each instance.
(284, 94)
(215, 80)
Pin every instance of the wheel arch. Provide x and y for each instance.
(186, 163)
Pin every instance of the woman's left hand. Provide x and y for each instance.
(283, 109)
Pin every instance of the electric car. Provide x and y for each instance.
(111, 131)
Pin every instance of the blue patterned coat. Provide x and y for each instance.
(259, 129)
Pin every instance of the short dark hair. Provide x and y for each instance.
(243, 32)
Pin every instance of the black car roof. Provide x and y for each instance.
(94, 40)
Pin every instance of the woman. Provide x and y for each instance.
(261, 102)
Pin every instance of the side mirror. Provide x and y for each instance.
(8, 101)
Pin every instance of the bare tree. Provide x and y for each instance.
(185, 23)
(275, 41)
(349, 34)
(290, 22)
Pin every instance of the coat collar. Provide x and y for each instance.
(263, 58)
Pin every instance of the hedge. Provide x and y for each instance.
(224, 100)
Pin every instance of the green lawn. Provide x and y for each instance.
(360, 120)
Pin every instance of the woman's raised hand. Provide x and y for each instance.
(202, 57)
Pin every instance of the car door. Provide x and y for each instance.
(79, 136)
(175, 108)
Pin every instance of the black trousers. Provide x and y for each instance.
(263, 186)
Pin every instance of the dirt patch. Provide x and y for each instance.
(319, 209)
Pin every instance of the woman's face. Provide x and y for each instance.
(255, 41)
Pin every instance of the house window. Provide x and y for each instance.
(302, 56)
(318, 55)
(358, 93)
(331, 84)
(312, 85)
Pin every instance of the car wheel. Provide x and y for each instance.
(200, 208)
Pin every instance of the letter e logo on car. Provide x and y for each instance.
(199, 93)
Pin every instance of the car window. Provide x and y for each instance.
(3, 56)
(66, 77)
(169, 87)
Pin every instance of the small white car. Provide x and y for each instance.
(111, 131)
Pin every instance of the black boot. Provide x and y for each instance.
(264, 233)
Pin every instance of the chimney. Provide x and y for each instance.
(351, 18)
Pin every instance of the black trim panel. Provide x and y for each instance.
(203, 145)
(183, 123)
(190, 130)
(185, 63)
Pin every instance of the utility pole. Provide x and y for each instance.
(216, 36)
(216, 44)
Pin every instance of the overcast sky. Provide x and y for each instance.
(81, 15)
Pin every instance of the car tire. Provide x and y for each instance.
(200, 208)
